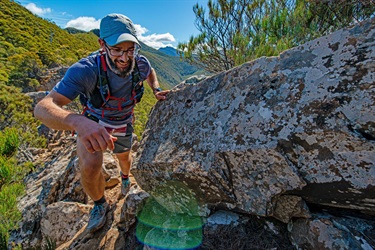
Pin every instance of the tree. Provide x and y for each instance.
(211, 49)
(234, 32)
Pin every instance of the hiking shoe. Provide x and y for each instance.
(125, 186)
(97, 217)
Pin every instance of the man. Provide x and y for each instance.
(107, 120)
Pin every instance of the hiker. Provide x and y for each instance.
(109, 82)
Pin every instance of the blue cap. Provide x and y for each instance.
(117, 28)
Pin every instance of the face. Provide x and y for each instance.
(120, 58)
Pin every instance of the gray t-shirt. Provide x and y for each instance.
(82, 77)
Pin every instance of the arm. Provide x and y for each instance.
(152, 81)
(51, 112)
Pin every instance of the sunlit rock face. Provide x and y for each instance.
(300, 124)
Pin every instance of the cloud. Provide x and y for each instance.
(89, 23)
(140, 30)
(36, 10)
(84, 23)
(158, 40)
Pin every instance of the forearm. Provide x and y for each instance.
(91, 134)
(54, 116)
(152, 80)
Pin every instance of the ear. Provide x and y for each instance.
(102, 43)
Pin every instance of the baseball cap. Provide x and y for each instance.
(117, 28)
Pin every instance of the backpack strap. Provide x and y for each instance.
(136, 75)
(138, 88)
(102, 91)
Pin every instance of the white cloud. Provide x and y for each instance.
(84, 23)
(140, 30)
(158, 40)
(155, 41)
(36, 10)
(89, 23)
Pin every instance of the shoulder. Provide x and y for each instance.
(143, 65)
(87, 63)
(141, 59)
(86, 68)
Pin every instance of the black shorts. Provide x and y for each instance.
(124, 143)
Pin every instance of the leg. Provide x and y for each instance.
(122, 151)
(93, 184)
(125, 161)
(92, 178)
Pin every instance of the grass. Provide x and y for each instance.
(11, 185)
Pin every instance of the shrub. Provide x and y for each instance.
(9, 142)
(9, 213)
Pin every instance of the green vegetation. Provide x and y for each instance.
(234, 32)
(170, 69)
(142, 110)
(11, 186)
(29, 45)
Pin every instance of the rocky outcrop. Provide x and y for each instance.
(51, 77)
(294, 129)
(301, 123)
(276, 153)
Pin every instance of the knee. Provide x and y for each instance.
(126, 156)
(90, 168)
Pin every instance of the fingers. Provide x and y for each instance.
(161, 95)
(98, 140)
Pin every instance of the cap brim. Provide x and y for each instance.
(124, 37)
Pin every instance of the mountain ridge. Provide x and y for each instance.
(169, 51)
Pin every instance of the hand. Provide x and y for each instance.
(161, 95)
(94, 136)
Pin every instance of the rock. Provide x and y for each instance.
(55, 198)
(51, 77)
(298, 124)
(289, 206)
(133, 201)
(327, 232)
(36, 96)
(194, 79)
(223, 218)
(62, 220)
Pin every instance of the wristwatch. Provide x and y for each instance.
(157, 90)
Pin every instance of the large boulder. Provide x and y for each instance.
(298, 127)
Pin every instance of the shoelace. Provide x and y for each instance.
(125, 182)
(97, 209)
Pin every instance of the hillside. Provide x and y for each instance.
(45, 45)
(169, 51)
(171, 69)
(30, 45)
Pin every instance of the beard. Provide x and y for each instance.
(121, 72)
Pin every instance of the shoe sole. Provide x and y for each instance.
(94, 229)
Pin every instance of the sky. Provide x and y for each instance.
(159, 23)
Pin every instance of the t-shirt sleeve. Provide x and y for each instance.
(144, 67)
(80, 78)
